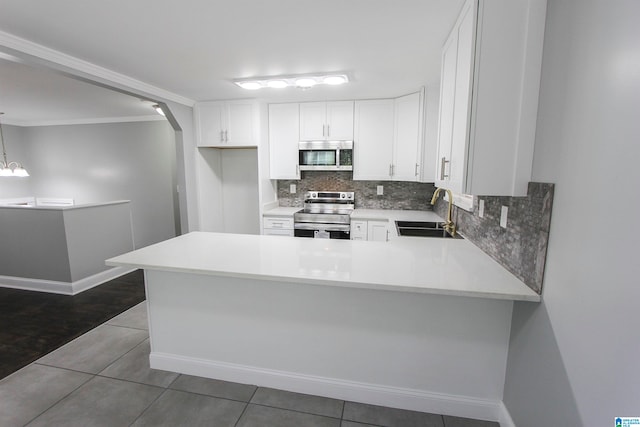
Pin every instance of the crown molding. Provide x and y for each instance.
(84, 69)
(89, 121)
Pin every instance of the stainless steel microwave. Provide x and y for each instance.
(325, 155)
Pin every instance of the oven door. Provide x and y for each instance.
(322, 231)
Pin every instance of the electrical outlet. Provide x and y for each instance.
(292, 188)
(481, 208)
(380, 190)
(503, 217)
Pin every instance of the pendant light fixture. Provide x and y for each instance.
(8, 168)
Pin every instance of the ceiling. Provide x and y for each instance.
(195, 48)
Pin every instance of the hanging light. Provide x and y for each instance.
(8, 168)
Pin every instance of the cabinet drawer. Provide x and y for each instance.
(358, 230)
(278, 223)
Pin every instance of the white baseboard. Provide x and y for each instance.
(402, 398)
(504, 417)
(64, 288)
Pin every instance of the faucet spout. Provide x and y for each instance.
(448, 225)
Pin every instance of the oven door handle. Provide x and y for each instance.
(325, 227)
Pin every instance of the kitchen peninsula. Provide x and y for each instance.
(412, 323)
(61, 249)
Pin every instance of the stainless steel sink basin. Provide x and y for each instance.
(422, 229)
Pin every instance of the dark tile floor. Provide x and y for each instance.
(33, 324)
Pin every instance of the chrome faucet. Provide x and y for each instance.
(448, 225)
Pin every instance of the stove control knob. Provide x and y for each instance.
(342, 196)
(350, 196)
(313, 195)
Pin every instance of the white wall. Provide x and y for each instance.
(240, 195)
(228, 190)
(574, 359)
(103, 162)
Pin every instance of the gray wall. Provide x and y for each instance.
(103, 162)
(573, 359)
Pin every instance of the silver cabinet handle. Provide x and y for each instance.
(390, 170)
(443, 163)
(298, 171)
(323, 126)
(226, 136)
(221, 136)
(328, 131)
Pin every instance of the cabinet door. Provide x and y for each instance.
(239, 123)
(340, 120)
(358, 230)
(447, 95)
(373, 139)
(407, 148)
(283, 141)
(208, 118)
(377, 231)
(313, 118)
(462, 103)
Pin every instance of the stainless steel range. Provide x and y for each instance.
(326, 214)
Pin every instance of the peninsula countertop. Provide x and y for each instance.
(407, 264)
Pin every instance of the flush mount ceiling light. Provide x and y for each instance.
(301, 81)
(8, 168)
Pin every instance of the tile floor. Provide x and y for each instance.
(33, 324)
(102, 378)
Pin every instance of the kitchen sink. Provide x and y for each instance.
(423, 229)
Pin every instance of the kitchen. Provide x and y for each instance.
(548, 339)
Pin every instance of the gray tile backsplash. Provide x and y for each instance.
(521, 248)
(397, 194)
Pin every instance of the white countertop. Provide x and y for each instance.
(394, 215)
(411, 264)
(64, 207)
(282, 211)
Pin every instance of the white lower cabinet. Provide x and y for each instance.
(358, 230)
(372, 230)
(277, 226)
(377, 231)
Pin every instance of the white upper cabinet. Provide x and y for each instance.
(373, 143)
(488, 97)
(283, 141)
(226, 123)
(326, 121)
(407, 147)
(388, 138)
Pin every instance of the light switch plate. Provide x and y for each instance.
(292, 188)
(380, 190)
(503, 217)
(481, 208)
